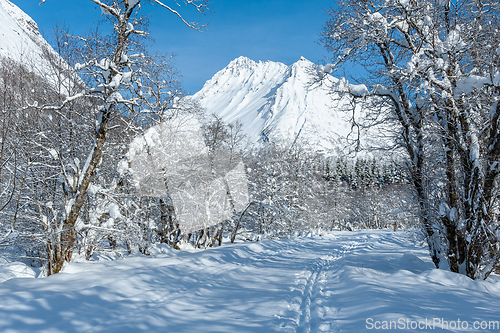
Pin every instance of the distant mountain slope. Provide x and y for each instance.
(21, 41)
(275, 102)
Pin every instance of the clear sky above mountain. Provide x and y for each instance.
(277, 30)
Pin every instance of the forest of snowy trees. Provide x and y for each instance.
(106, 153)
(129, 202)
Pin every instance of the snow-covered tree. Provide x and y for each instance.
(21, 164)
(108, 67)
(434, 69)
(172, 159)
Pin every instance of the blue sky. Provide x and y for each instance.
(277, 30)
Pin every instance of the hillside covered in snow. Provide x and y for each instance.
(21, 40)
(285, 104)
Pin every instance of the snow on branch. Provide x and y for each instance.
(192, 25)
(63, 104)
(106, 9)
(467, 84)
(358, 90)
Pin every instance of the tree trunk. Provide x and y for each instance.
(167, 227)
(68, 234)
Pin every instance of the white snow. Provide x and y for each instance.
(15, 270)
(174, 153)
(132, 3)
(238, 186)
(376, 17)
(329, 68)
(243, 91)
(467, 84)
(53, 153)
(115, 81)
(358, 90)
(402, 25)
(496, 79)
(474, 149)
(443, 209)
(453, 41)
(115, 97)
(338, 282)
(404, 3)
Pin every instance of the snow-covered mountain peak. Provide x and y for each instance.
(242, 62)
(19, 32)
(24, 20)
(304, 64)
(303, 61)
(276, 102)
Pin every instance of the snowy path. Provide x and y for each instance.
(306, 313)
(320, 284)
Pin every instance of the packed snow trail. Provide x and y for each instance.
(331, 283)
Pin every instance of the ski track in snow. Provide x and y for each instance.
(309, 290)
(329, 283)
(306, 311)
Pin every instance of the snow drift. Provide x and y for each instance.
(337, 282)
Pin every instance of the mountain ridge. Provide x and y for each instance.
(278, 103)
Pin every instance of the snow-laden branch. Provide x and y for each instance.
(106, 8)
(192, 25)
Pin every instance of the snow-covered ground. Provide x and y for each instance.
(338, 282)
